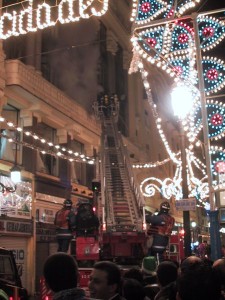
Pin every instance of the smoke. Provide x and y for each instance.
(77, 66)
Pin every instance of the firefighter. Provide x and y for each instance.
(86, 221)
(65, 220)
(160, 229)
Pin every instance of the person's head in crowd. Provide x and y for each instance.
(188, 262)
(198, 282)
(105, 280)
(164, 207)
(60, 272)
(67, 204)
(167, 272)
(134, 273)
(219, 270)
(132, 289)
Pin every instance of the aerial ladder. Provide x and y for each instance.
(121, 202)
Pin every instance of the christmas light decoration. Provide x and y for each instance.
(151, 40)
(43, 15)
(181, 37)
(151, 165)
(218, 159)
(171, 47)
(15, 202)
(214, 74)
(147, 10)
(211, 32)
(216, 120)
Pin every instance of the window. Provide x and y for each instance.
(6, 268)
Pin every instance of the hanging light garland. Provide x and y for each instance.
(54, 149)
(150, 165)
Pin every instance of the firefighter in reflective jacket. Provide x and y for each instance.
(160, 229)
(65, 220)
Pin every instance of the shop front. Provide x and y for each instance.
(16, 225)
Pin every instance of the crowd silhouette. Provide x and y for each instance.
(193, 278)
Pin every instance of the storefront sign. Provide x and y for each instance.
(16, 227)
(186, 204)
(47, 215)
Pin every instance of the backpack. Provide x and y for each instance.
(85, 218)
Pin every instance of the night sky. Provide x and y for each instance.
(211, 4)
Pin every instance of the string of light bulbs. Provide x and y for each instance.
(150, 165)
(55, 149)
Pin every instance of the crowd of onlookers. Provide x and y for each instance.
(192, 279)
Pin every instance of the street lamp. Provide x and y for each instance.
(15, 173)
(193, 226)
(182, 100)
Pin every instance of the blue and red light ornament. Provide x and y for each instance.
(150, 9)
(147, 10)
(217, 160)
(215, 117)
(181, 38)
(182, 68)
(211, 32)
(216, 120)
(151, 41)
(214, 74)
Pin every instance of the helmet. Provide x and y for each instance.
(165, 206)
(67, 203)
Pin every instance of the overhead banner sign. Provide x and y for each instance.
(34, 17)
(185, 204)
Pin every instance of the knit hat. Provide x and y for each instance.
(149, 265)
(3, 295)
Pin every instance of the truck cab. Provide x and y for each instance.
(10, 281)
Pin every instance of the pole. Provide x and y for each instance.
(213, 215)
(186, 213)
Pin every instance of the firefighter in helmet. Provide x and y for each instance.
(65, 220)
(160, 229)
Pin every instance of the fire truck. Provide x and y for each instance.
(118, 201)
